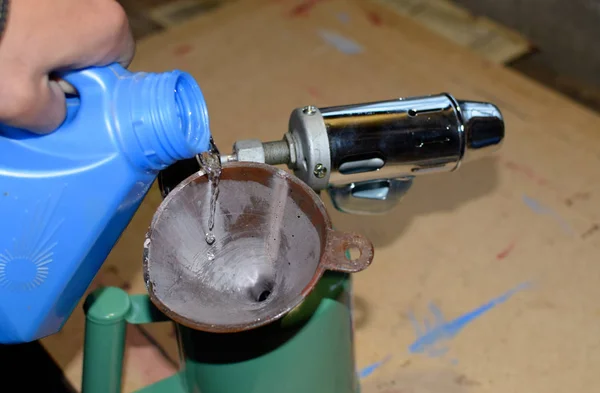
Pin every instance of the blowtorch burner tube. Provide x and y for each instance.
(408, 137)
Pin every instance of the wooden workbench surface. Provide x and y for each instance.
(507, 247)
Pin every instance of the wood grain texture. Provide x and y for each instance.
(534, 203)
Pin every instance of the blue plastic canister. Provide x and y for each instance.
(66, 197)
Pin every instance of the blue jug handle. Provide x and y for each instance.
(90, 84)
(90, 78)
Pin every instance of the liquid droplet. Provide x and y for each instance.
(210, 238)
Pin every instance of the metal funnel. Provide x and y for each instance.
(274, 240)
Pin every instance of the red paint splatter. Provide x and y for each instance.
(521, 168)
(314, 92)
(504, 253)
(374, 18)
(303, 9)
(527, 172)
(182, 50)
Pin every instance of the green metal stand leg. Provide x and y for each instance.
(108, 311)
(105, 327)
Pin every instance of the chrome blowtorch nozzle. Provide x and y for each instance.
(483, 127)
(367, 154)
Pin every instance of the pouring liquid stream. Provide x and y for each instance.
(210, 163)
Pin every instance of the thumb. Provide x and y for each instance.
(39, 107)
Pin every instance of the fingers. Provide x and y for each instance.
(65, 86)
(126, 48)
(37, 106)
(108, 39)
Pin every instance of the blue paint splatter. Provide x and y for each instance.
(341, 43)
(430, 337)
(535, 205)
(538, 208)
(365, 372)
(343, 17)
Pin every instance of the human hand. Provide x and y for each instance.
(45, 36)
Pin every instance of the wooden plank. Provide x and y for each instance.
(458, 240)
(483, 36)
